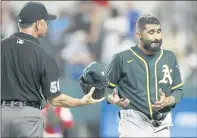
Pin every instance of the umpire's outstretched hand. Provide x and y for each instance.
(87, 99)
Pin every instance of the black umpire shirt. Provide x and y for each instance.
(28, 72)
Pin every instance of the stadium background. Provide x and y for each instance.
(93, 31)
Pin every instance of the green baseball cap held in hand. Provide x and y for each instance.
(94, 76)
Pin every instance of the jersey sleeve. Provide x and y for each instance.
(114, 71)
(177, 85)
(50, 78)
(177, 81)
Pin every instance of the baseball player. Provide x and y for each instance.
(29, 76)
(148, 83)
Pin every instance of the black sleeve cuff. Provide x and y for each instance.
(53, 95)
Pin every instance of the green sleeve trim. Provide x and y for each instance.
(112, 85)
(177, 86)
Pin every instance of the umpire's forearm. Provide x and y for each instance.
(64, 100)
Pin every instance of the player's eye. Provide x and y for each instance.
(151, 32)
(159, 31)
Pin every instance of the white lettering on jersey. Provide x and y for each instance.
(167, 77)
(54, 86)
(20, 41)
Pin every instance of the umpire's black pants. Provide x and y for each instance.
(21, 121)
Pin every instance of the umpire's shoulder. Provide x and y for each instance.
(6, 40)
(46, 56)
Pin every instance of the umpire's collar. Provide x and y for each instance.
(26, 37)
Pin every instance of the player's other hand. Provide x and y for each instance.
(120, 101)
(164, 101)
(87, 99)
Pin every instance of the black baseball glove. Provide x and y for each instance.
(94, 76)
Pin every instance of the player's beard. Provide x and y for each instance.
(151, 46)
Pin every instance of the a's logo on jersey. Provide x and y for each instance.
(55, 86)
(167, 76)
(20, 41)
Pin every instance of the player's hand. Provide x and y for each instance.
(87, 99)
(163, 102)
(120, 101)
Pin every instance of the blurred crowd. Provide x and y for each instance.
(95, 30)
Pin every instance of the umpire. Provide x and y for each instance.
(29, 76)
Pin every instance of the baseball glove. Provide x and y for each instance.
(94, 76)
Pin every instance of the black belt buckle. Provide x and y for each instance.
(17, 103)
(157, 119)
(36, 105)
(119, 114)
(32, 103)
(156, 123)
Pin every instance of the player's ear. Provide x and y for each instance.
(138, 35)
(37, 23)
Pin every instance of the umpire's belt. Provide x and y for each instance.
(20, 104)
